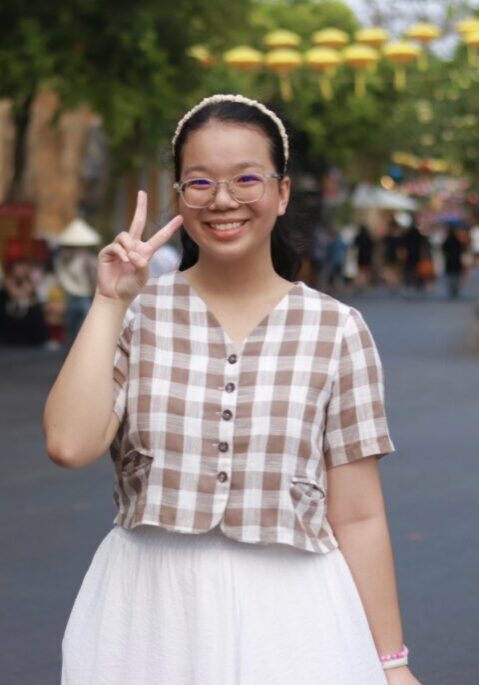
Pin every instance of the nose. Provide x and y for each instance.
(222, 198)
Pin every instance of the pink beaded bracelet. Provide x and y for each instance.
(396, 659)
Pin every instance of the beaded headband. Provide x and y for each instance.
(214, 99)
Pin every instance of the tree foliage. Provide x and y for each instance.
(129, 62)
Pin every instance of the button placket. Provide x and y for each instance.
(226, 413)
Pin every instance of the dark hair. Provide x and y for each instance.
(284, 252)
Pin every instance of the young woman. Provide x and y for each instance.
(245, 416)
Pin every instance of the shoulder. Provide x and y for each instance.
(327, 307)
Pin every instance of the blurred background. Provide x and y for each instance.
(381, 101)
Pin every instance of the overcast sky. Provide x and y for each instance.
(399, 14)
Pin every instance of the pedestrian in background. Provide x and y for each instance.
(453, 250)
(321, 240)
(413, 244)
(75, 267)
(391, 256)
(364, 245)
(336, 259)
(245, 416)
(22, 320)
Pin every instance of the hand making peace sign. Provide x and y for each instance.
(123, 264)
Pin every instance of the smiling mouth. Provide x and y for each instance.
(225, 227)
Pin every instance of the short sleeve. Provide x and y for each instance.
(121, 366)
(356, 424)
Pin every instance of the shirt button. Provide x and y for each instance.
(223, 447)
(227, 415)
(230, 387)
(222, 476)
(233, 358)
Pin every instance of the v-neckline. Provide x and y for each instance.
(215, 321)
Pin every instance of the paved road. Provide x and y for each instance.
(53, 519)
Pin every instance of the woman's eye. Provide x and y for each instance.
(199, 183)
(246, 179)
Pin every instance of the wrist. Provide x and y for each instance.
(394, 660)
(401, 676)
(111, 302)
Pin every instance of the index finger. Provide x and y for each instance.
(139, 219)
(164, 234)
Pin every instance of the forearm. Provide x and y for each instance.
(366, 547)
(79, 407)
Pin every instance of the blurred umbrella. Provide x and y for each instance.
(454, 219)
(373, 197)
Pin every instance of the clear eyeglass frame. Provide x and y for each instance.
(179, 186)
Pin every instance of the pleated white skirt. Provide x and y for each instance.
(164, 608)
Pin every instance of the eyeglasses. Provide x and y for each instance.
(198, 193)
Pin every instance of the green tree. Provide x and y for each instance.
(129, 62)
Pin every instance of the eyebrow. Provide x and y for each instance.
(241, 165)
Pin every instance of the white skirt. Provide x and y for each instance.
(164, 608)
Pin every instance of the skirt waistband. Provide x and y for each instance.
(153, 536)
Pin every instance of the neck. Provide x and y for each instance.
(242, 279)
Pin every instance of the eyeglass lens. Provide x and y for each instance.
(244, 188)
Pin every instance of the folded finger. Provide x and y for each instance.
(137, 260)
(126, 241)
(116, 249)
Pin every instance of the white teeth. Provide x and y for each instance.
(226, 227)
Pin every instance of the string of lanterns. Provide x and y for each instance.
(333, 48)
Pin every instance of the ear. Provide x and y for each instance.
(284, 194)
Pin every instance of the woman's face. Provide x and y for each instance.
(227, 229)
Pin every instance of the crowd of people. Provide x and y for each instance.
(405, 259)
(44, 302)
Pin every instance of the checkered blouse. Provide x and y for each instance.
(242, 435)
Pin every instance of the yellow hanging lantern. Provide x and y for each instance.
(375, 37)
(472, 41)
(282, 39)
(468, 25)
(325, 60)
(424, 33)
(283, 61)
(202, 55)
(400, 54)
(360, 57)
(243, 58)
(330, 38)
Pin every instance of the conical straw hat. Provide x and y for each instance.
(79, 234)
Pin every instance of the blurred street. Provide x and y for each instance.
(54, 519)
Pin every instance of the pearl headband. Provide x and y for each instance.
(214, 99)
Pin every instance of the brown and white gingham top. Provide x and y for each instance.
(242, 435)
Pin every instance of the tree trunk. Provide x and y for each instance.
(7, 148)
(55, 156)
